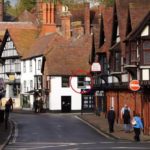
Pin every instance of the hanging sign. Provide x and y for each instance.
(96, 67)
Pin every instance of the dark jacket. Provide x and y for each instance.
(111, 115)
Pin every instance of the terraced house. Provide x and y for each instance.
(123, 51)
(41, 53)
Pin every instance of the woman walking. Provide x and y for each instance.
(137, 125)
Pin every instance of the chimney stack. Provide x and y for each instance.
(48, 18)
(65, 23)
(1, 10)
(39, 10)
(87, 18)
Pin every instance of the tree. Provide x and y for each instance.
(26, 5)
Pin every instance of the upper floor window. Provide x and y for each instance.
(81, 82)
(65, 81)
(133, 52)
(31, 84)
(24, 66)
(25, 86)
(39, 64)
(146, 52)
(30, 65)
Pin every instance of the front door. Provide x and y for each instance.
(66, 104)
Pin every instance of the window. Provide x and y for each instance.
(81, 81)
(31, 84)
(39, 64)
(146, 52)
(24, 66)
(30, 65)
(37, 82)
(117, 65)
(133, 52)
(25, 86)
(65, 81)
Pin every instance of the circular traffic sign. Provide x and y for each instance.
(134, 85)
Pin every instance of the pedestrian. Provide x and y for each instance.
(41, 105)
(137, 125)
(7, 111)
(36, 106)
(111, 119)
(126, 118)
(11, 103)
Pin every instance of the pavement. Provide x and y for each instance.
(99, 123)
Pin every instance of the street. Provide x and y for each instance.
(61, 132)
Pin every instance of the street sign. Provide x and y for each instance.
(96, 67)
(134, 85)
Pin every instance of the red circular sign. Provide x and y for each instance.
(134, 85)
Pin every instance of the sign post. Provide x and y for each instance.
(134, 86)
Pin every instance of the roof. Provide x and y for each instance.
(22, 39)
(18, 25)
(26, 16)
(142, 7)
(69, 56)
(106, 14)
(42, 45)
(138, 29)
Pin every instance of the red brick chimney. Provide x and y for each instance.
(1, 10)
(65, 23)
(39, 9)
(87, 18)
(48, 18)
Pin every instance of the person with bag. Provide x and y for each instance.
(137, 125)
(126, 119)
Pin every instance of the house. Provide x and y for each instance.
(66, 69)
(125, 57)
(12, 49)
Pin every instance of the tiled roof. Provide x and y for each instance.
(17, 25)
(140, 7)
(70, 56)
(23, 38)
(138, 29)
(42, 45)
(26, 16)
(106, 15)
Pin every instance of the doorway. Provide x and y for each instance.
(66, 104)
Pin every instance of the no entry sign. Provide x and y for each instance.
(134, 85)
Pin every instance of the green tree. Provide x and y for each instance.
(26, 5)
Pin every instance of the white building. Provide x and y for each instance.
(67, 70)
(12, 50)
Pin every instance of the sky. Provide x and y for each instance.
(13, 2)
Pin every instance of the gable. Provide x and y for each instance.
(142, 29)
(9, 49)
(145, 31)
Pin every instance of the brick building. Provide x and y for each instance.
(122, 50)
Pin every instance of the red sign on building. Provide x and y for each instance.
(134, 85)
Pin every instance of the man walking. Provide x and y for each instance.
(111, 119)
(7, 111)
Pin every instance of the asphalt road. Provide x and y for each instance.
(62, 132)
